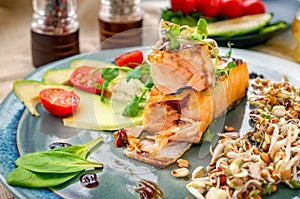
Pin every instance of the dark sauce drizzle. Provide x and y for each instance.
(58, 145)
(89, 180)
(148, 189)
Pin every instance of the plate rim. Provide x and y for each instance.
(21, 192)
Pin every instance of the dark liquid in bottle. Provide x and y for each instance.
(110, 37)
(48, 48)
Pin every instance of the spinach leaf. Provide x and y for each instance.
(80, 150)
(25, 178)
(55, 162)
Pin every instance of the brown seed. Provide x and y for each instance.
(274, 175)
(265, 157)
(264, 174)
(270, 130)
(265, 82)
(255, 150)
(274, 188)
(294, 113)
(182, 163)
(257, 197)
(229, 128)
(273, 91)
(286, 174)
(272, 100)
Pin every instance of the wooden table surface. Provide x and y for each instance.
(15, 52)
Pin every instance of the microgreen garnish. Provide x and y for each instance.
(110, 73)
(202, 28)
(172, 33)
(137, 72)
(230, 65)
(133, 107)
(228, 54)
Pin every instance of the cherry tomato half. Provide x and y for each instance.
(59, 102)
(131, 59)
(251, 7)
(208, 8)
(231, 8)
(83, 78)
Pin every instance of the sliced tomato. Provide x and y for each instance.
(131, 59)
(84, 78)
(59, 102)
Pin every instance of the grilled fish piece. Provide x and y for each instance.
(174, 121)
(186, 98)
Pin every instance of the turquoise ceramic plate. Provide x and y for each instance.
(22, 133)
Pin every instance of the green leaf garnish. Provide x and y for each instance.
(202, 28)
(208, 136)
(53, 167)
(134, 74)
(228, 54)
(132, 109)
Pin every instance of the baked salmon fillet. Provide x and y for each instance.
(187, 96)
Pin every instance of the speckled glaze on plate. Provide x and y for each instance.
(21, 133)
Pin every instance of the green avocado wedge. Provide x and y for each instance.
(92, 113)
(28, 92)
(75, 63)
(238, 26)
(58, 76)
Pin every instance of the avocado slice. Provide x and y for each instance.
(62, 75)
(28, 92)
(238, 26)
(92, 113)
(58, 76)
(75, 63)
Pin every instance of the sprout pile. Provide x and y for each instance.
(252, 165)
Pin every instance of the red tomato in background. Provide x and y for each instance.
(81, 79)
(186, 6)
(208, 8)
(251, 7)
(231, 8)
(59, 102)
(131, 59)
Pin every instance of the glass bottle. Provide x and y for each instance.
(296, 33)
(117, 16)
(54, 30)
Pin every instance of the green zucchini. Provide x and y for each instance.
(238, 26)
